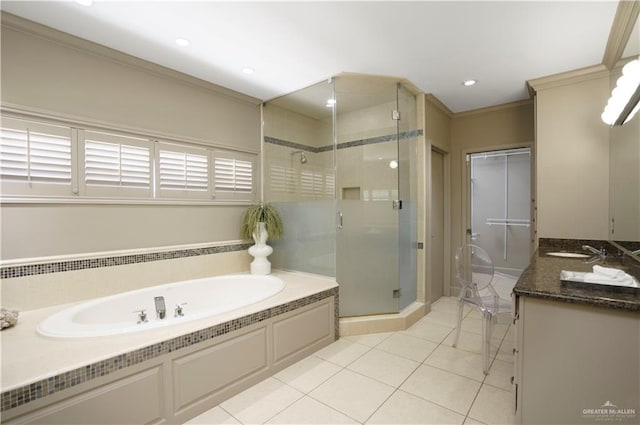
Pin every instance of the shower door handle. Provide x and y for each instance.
(339, 219)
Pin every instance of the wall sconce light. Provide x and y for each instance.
(625, 98)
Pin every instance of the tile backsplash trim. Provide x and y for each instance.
(7, 272)
(343, 145)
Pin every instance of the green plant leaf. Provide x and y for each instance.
(257, 213)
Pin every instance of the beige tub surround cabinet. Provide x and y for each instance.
(166, 375)
(577, 348)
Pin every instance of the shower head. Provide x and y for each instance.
(303, 158)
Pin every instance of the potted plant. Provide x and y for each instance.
(261, 222)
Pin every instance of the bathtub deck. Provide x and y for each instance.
(28, 357)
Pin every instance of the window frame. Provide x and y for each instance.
(113, 191)
(80, 193)
(230, 195)
(36, 188)
(183, 193)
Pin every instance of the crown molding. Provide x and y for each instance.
(569, 77)
(495, 108)
(431, 99)
(49, 34)
(626, 16)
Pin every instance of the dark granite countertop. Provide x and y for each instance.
(542, 278)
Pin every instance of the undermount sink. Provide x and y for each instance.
(568, 254)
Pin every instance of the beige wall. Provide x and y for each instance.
(499, 127)
(48, 70)
(53, 73)
(437, 129)
(572, 156)
(437, 135)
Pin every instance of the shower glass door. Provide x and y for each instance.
(367, 164)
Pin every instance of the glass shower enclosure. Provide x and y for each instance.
(339, 164)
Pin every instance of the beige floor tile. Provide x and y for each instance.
(370, 340)
(408, 346)
(342, 352)
(511, 333)
(309, 411)
(500, 375)
(457, 361)
(261, 402)
(471, 421)
(308, 373)
(352, 394)
(404, 408)
(505, 353)
(428, 330)
(473, 325)
(444, 318)
(441, 387)
(215, 416)
(445, 304)
(472, 342)
(493, 406)
(385, 367)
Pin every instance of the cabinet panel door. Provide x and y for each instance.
(115, 403)
(204, 373)
(298, 332)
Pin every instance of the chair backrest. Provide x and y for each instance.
(474, 268)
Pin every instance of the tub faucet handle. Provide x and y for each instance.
(179, 311)
(142, 315)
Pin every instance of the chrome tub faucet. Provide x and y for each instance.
(161, 309)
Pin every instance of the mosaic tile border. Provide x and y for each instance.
(343, 145)
(8, 272)
(43, 388)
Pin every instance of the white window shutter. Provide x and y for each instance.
(116, 165)
(35, 158)
(234, 175)
(110, 164)
(183, 172)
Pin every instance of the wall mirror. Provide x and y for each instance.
(624, 154)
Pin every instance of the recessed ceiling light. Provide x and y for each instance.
(248, 70)
(330, 103)
(85, 2)
(182, 42)
(469, 83)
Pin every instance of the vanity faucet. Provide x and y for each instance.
(599, 254)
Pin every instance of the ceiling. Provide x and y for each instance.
(294, 44)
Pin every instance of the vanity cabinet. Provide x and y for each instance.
(575, 363)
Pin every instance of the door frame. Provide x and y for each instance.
(446, 290)
(466, 187)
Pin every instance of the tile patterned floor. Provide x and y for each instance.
(408, 377)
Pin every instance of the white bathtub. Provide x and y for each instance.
(199, 298)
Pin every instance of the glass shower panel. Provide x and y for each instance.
(407, 219)
(367, 248)
(299, 179)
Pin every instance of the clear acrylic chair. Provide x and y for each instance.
(474, 273)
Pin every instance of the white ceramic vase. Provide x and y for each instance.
(260, 251)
